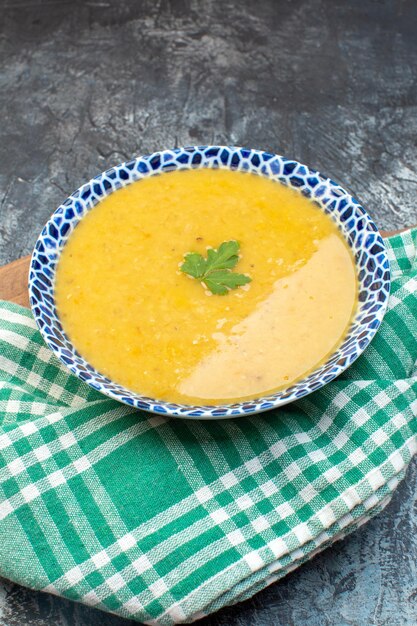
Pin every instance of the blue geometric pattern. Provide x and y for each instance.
(352, 220)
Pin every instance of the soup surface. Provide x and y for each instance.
(138, 319)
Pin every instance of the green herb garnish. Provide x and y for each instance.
(216, 271)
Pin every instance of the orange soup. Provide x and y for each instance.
(137, 318)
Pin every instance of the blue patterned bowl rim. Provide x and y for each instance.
(352, 220)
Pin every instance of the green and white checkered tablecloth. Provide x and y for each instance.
(164, 520)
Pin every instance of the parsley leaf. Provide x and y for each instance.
(194, 265)
(215, 271)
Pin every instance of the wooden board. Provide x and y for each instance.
(14, 281)
(13, 278)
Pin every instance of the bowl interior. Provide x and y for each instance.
(352, 220)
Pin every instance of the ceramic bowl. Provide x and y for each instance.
(352, 220)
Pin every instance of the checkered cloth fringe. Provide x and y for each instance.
(163, 520)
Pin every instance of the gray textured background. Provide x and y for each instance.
(331, 83)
